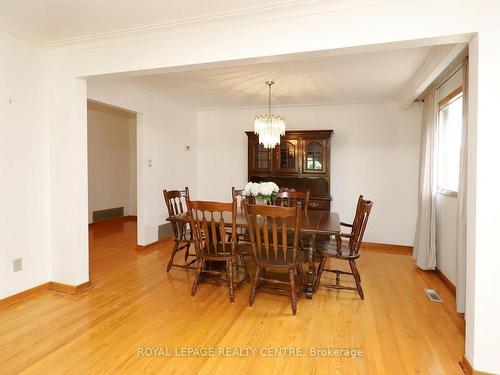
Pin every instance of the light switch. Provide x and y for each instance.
(17, 264)
(150, 162)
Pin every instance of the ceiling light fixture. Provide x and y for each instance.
(269, 127)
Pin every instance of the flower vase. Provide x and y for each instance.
(261, 201)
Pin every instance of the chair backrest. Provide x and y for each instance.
(209, 224)
(290, 199)
(240, 195)
(274, 232)
(175, 205)
(363, 210)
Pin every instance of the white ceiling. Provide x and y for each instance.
(53, 21)
(306, 81)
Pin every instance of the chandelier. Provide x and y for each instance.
(269, 127)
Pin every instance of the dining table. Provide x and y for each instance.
(313, 224)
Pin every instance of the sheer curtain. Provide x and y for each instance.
(462, 198)
(424, 249)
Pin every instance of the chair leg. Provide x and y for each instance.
(196, 278)
(244, 263)
(321, 267)
(357, 278)
(254, 289)
(186, 254)
(302, 277)
(229, 269)
(171, 261)
(292, 291)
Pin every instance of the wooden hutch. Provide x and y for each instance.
(301, 161)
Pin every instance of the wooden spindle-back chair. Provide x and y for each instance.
(290, 199)
(274, 233)
(210, 223)
(241, 196)
(176, 201)
(349, 251)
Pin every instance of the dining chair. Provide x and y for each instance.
(213, 244)
(182, 235)
(269, 227)
(348, 251)
(290, 198)
(240, 196)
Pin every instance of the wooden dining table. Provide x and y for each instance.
(312, 225)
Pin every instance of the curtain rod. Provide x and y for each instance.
(444, 77)
(449, 77)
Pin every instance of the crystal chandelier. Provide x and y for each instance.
(269, 127)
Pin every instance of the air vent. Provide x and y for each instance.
(433, 295)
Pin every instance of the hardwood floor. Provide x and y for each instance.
(134, 307)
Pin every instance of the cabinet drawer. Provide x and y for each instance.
(319, 205)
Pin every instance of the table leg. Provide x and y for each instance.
(312, 268)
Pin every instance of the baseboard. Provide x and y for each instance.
(51, 285)
(387, 248)
(107, 214)
(152, 244)
(468, 369)
(24, 294)
(69, 289)
(446, 281)
(114, 220)
(465, 365)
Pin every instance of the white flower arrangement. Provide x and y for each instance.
(265, 191)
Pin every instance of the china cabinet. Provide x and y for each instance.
(301, 161)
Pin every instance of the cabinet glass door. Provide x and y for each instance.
(314, 156)
(288, 156)
(261, 158)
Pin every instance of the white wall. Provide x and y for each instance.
(164, 129)
(24, 165)
(374, 151)
(446, 236)
(111, 160)
(132, 164)
(447, 208)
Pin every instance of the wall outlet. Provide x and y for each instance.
(17, 264)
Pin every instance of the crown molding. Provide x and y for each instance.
(183, 22)
(23, 37)
(417, 64)
(298, 105)
(285, 9)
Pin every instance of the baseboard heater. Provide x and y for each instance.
(164, 230)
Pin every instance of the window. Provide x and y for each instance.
(449, 141)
